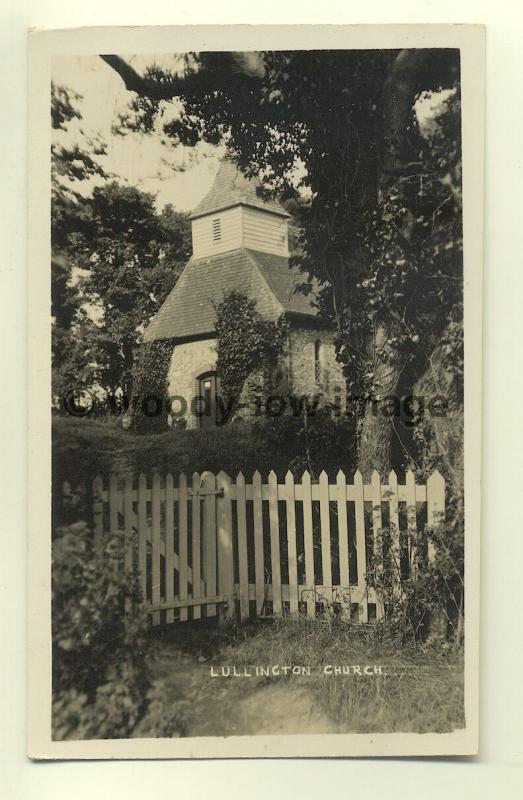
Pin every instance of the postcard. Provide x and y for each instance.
(255, 271)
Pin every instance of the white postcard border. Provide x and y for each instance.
(154, 40)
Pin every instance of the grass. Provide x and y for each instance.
(421, 690)
(104, 446)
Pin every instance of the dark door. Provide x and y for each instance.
(208, 385)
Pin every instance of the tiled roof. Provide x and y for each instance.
(230, 188)
(285, 281)
(189, 310)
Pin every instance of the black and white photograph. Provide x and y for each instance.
(261, 396)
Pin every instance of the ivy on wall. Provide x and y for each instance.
(150, 369)
(245, 342)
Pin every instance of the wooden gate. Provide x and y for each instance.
(209, 546)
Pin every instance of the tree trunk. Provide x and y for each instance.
(376, 430)
(377, 427)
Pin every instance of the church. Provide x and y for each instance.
(240, 243)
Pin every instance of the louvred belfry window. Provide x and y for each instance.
(216, 230)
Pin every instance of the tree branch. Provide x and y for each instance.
(137, 83)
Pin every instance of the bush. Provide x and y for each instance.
(428, 600)
(101, 681)
(278, 444)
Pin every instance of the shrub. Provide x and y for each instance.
(429, 599)
(150, 380)
(278, 444)
(101, 678)
(245, 341)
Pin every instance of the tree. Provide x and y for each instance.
(115, 259)
(73, 333)
(378, 194)
(132, 257)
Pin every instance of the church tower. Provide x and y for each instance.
(232, 215)
(240, 243)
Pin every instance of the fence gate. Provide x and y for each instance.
(208, 546)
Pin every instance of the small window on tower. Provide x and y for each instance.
(216, 230)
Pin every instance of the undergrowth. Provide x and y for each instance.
(421, 689)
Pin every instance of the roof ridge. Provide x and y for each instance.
(231, 187)
(289, 267)
(262, 276)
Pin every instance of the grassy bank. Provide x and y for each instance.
(83, 448)
(420, 688)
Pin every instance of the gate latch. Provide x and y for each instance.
(216, 493)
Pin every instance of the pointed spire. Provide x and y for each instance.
(230, 188)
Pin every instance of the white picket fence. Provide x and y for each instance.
(210, 546)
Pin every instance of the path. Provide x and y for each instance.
(236, 706)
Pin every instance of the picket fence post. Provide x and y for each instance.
(292, 555)
(308, 544)
(412, 527)
(225, 547)
(208, 488)
(435, 506)
(361, 547)
(142, 534)
(155, 549)
(275, 544)
(196, 542)
(242, 547)
(169, 546)
(259, 566)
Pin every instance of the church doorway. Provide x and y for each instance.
(208, 386)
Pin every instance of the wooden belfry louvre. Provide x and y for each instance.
(209, 546)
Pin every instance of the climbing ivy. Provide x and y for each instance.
(150, 370)
(245, 341)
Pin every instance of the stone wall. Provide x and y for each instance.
(188, 362)
(301, 366)
(293, 375)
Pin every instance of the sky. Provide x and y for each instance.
(140, 160)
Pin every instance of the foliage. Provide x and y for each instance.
(132, 257)
(79, 357)
(63, 109)
(422, 690)
(73, 334)
(150, 370)
(412, 243)
(115, 259)
(71, 162)
(245, 341)
(268, 444)
(428, 597)
(323, 442)
(101, 678)
(377, 192)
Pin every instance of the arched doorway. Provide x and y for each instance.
(208, 388)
